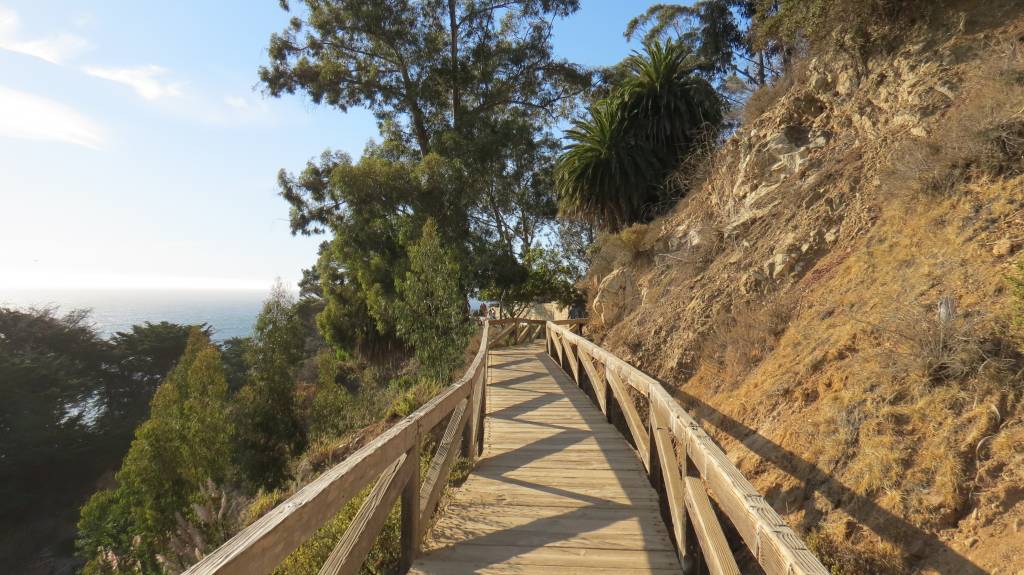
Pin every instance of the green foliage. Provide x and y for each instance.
(432, 72)
(612, 172)
(270, 430)
(183, 447)
(234, 352)
(148, 351)
(858, 25)
(69, 404)
(378, 203)
(51, 372)
(547, 276)
(345, 401)
(466, 94)
(431, 309)
(718, 33)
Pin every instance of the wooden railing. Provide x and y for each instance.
(393, 461)
(685, 464)
(513, 331)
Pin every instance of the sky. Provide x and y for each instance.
(137, 151)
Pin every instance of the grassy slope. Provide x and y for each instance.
(802, 323)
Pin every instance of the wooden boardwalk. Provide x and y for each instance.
(557, 489)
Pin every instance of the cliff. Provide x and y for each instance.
(833, 300)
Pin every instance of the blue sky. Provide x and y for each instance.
(136, 151)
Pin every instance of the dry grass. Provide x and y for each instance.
(848, 549)
(743, 337)
(981, 135)
(766, 97)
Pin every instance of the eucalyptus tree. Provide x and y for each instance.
(465, 93)
(720, 34)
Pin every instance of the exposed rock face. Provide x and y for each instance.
(616, 293)
(793, 299)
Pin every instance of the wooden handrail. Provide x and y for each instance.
(688, 476)
(392, 459)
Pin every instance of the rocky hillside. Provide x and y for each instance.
(834, 300)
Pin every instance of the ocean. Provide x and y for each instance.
(229, 313)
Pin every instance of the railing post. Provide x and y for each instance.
(482, 414)
(410, 544)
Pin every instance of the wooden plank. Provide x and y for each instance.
(597, 380)
(717, 554)
(633, 421)
(411, 529)
(557, 339)
(557, 487)
(441, 463)
(558, 556)
(260, 547)
(778, 550)
(630, 375)
(570, 355)
(672, 472)
(431, 567)
(496, 342)
(570, 534)
(474, 428)
(350, 552)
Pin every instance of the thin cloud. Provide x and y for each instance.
(30, 117)
(56, 48)
(147, 81)
(237, 102)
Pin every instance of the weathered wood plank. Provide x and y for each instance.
(597, 380)
(561, 556)
(633, 420)
(411, 530)
(350, 552)
(557, 486)
(672, 473)
(260, 547)
(777, 548)
(431, 567)
(441, 463)
(717, 553)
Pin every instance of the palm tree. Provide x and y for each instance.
(613, 170)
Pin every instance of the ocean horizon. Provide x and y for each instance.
(230, 313)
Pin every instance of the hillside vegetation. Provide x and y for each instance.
(838, 298)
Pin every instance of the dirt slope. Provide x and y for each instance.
(834, 302)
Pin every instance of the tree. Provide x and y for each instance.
(718, 32)
(270, 430)
(148, 351)
(465, 93)
(432, 72)
(613, 170)
(181, 448)
(431, 308)
(544, 276)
